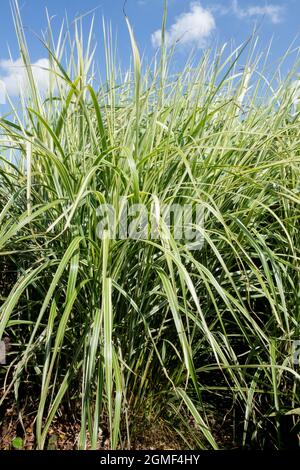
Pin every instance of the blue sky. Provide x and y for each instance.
(198, 24)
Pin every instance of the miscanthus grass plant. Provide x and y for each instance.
(119, 332)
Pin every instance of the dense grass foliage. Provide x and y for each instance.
(119, 332)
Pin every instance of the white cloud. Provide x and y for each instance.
(13, 75)
(192, 28)
(273, 12)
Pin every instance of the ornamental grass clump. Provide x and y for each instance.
(117, 331)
